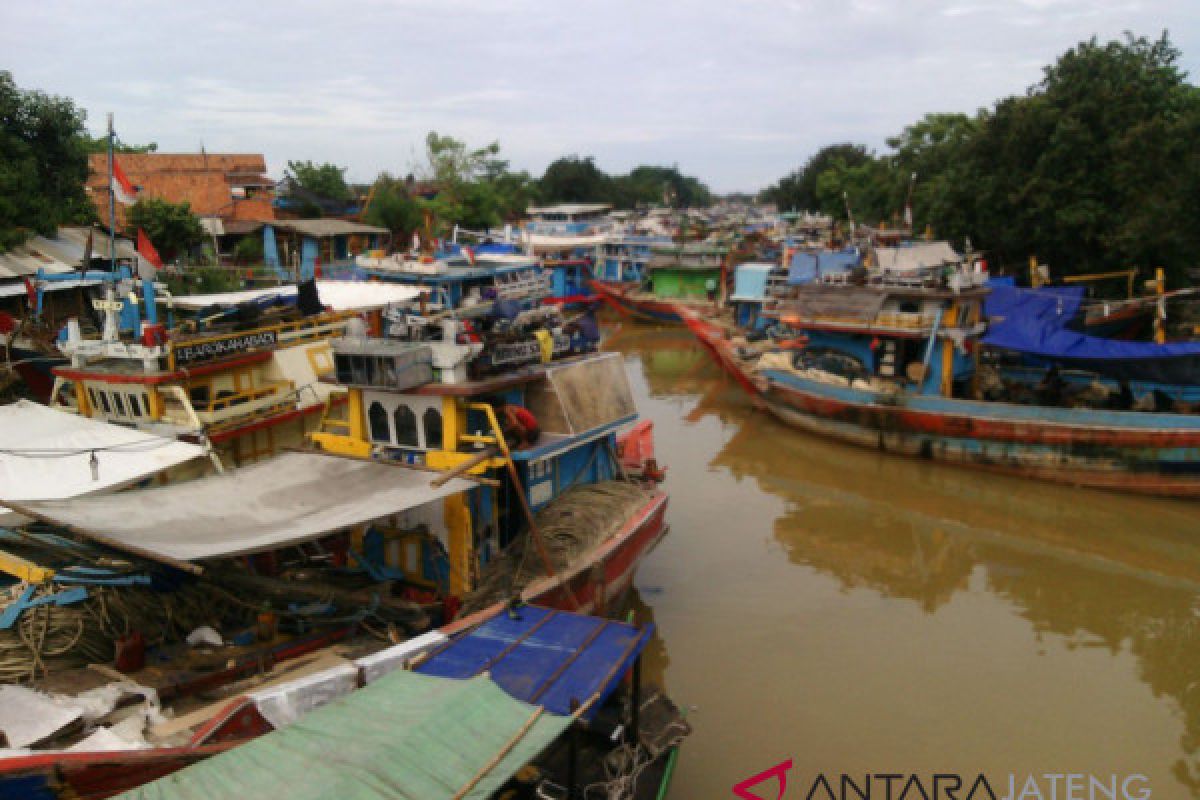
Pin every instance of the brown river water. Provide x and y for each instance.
(861, 613)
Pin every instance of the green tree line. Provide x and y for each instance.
(1094, 168)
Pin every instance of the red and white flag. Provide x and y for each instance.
(122, 189)
(146, 248)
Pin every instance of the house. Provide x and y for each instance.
(221, 188)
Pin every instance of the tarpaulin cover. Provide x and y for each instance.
(46, 454)
(546, 657)
(404, 737)
(915, 256)
(806, 266)
(850, 303)
(750, 282)
(1033, 321)
(339, 295)
(289, 499)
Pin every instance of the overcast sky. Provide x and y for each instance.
(735, 92)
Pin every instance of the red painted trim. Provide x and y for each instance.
(961, 426)
(107, 376)
(266, 422)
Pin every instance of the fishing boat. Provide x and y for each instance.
(554, 695)
(435, 394)
(565, 238)
(910, 361)
(241, 375)
(686, 276)
(456, 276)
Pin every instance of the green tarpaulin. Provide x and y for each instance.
(404, 736)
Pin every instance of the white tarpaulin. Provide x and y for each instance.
(289, 499)
(46, 454)
(916, 256)
(339, 295)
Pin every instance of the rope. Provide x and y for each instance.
(50, 638)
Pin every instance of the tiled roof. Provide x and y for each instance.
(204, 180)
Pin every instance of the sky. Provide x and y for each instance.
(735, 92)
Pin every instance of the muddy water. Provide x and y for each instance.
(861, 613)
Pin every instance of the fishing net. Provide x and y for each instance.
(581, 518)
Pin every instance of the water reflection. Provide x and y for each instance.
(1050, 623)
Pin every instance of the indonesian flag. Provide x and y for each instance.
(146, 248)
(121, 187)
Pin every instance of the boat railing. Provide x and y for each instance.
(246, 399)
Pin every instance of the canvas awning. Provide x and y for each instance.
(339, 295)
(286, 500)
(404, 737)
(553, 658)
(46, 454)
(915, 256)
(838, 302)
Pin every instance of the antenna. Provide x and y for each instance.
(908, 215)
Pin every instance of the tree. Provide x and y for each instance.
(475, 188)
(43, 164)
(171, 227)
(572, 179)
(1091, 169)
(99, 144)
(311, 186)
(391, 207)
(798, 190)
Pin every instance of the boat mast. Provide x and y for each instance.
(112, 202)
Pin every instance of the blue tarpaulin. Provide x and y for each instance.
(806, 267)
(544, 657)
(1033, 321)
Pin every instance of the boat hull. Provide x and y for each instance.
(1146, 453)
(712, 338)
(36, 370)
(1128, 451)
(599, 580)
(622, 299)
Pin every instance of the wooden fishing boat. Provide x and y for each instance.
(895, 365)
(573, 670)
(242, 376)
(677, 277)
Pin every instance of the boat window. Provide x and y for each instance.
(432, 419)
(119, 401)
(104, 402)
(95, 402)
(406, 426)
(377, 419)
(135, 409)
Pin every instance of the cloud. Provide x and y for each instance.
(736, 93)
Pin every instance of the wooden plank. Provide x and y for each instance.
(24, 569)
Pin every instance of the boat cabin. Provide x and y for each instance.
(685, 271)
(395, 412)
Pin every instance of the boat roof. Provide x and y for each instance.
(292, 498)
(569, 208)
(551, 658)
(404, 737)
(45, 454)
(452, 274)
(340, 295)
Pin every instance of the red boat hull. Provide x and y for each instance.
(621, 298)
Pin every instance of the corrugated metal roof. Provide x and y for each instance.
(61, 253)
